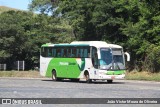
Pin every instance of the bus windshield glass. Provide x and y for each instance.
(111, 59)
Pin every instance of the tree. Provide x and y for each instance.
(93, 19)
(141, 26)
(23, 33)
(133, 24)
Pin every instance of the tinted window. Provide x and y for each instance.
(68, 52)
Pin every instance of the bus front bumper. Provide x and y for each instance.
(111, 77)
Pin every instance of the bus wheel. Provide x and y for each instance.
(109, 81)
(54, 77)
(88, 80)
(75, 80)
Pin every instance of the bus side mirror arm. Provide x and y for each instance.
(128, 56)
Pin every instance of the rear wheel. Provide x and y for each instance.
(88, 80)
(54, 76)
(109, 81)
(75, 80)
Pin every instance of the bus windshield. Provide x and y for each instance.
(111, 59)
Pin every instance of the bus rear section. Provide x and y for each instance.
(63, 61)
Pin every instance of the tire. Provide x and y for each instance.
(88, 80)
(75, 80)
(54, 76)
(109, 81)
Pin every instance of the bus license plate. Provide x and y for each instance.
(113, 77)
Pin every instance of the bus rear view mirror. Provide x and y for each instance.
(128, 56)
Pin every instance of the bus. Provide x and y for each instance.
(89, 60)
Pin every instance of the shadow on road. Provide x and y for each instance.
(93, 82)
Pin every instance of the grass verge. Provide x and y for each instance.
(133, 75)
(148, 76)
(28, 74)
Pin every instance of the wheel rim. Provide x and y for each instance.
(88, 80)
(87, 77)
(54, 76)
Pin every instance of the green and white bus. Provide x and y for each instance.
(89, 60)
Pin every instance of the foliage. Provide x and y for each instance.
(91, 19)
(134, 24)
(148, 76)
(142, 29)
(23, 33)
(152, 60)
(13, 37)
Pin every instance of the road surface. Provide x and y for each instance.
(45, 88)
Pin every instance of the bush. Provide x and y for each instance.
(152, 59)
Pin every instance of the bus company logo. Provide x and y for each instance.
(63, 63)
(6, 101)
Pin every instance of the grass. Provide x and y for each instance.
(27, 74)
(133, 75)
(148, 76)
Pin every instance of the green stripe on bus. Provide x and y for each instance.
(70, 45)
(117, 72)
(65, 67)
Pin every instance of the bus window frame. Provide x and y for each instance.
(93, 57)
(45, 51)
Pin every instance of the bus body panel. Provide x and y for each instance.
(44, 62)
(75, 68)
(66, 67)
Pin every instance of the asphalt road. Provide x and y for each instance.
(45, 88)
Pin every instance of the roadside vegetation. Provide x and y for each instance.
(133, 75)
(148, 76)
(133, 24)
(21, 74)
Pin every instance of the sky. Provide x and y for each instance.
(17, 4)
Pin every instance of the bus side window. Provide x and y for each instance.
(58, 52)
(68, 52)
(78, 53)
(74, 52)
(53, 52)
(64, 53)
(85, 53)
(94, 57)
(88, 52)
(71, 53)
(81, 52)
(49, 52)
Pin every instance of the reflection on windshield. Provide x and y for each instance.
(111, 59)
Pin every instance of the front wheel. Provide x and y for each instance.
(88, 80)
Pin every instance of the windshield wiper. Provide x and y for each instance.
(117, 66)
(114, 65)
(109, 68)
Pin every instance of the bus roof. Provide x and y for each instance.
(63, 45)
(97, 44)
